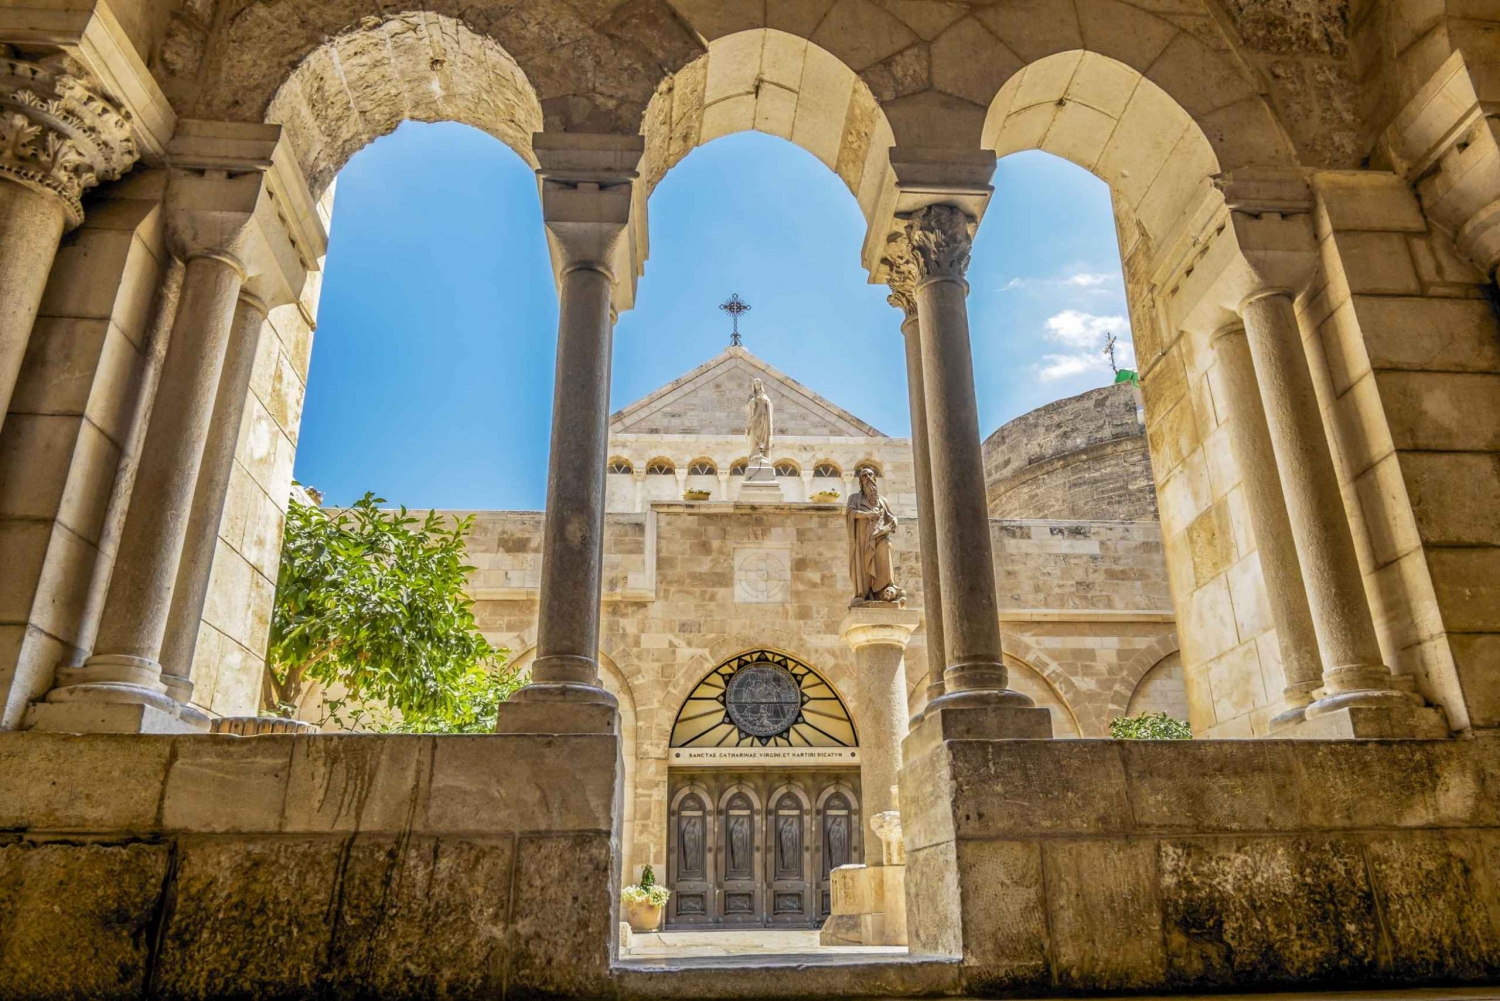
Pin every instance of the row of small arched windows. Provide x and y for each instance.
(706, 467)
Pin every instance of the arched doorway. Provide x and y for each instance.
(763, 787)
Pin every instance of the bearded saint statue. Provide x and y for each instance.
(758, 420)
(870, 523)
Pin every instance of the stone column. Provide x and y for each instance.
(587, 192)
(878, 636)
(58, 138)
(940, 237)
(196, 564)
(903, 285)
(1354, 676)
(1250, 440)
(638, 479)
(120, 687)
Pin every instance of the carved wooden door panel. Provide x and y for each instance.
(788, 863)
(691, 866)
(741, 901)
(839, 827)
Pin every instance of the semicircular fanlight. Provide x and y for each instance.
(763, 698)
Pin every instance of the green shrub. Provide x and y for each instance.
(1149, 726)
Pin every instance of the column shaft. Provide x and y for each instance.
(971, 619)
(880, 691)
(932, 585)
(196, 564)
(567, 647)
(126, 664)
(1353, 672)
(31, 224)
(1250, 440)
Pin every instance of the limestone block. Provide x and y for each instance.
(1209, 786)
(63, 782)
(1373, 722)
(1444, 411)
(423, 915)
(1236, 680)
(1149, 129)
(1104, 916)
(1377, 263)
(1433, 889)
(358, 782)
(75, 920)
(1013, 789)
(250, 915)
(1034, 29)
(1003, 910)
(566, 904)
(970, 62)
(1360, 434)
(494, 782)
(1255, 910)
(221, 783)
(1468, 343)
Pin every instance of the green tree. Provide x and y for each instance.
(370, 604)
(1149, 726)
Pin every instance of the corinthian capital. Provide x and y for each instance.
(901, 274)
(940, 237)
(56, 134)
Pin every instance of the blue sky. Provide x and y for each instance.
(431, 373)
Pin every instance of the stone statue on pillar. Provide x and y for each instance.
(758, 421)
(870, 524)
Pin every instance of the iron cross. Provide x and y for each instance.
(734, 306)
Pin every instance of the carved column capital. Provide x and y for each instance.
(940, 238)
(901, 275)
(57, 135)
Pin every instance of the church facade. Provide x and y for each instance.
(745, 822)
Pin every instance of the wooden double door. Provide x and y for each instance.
(755, 849)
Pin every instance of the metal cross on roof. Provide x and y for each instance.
(734, 306)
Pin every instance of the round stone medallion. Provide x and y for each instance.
(763, 700)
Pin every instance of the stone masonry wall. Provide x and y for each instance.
(1080, 458)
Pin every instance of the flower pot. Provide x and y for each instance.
(643, 916)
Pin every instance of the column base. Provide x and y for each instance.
(114, 678)
(1394, 720)
(943, 723)
(556, 717)
(104, 717)
(868, 906)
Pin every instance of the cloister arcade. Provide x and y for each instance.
(1306, 204)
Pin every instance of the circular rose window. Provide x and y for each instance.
(763, 700)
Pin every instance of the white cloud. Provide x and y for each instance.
(1085, 336)
(1089, 281)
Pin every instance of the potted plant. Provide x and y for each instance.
(643, 902)
(825, 497)
(695, 495)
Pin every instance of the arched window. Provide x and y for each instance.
(703, 467)
(867, 465)
(660, 467)
(786, 467)
(738, 467)
(827, 469)
(763, 699)
(621, 466)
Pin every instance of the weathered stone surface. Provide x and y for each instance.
(1030, 788)
(1261, 911)
(76, 919)
(1104, 916)
(61, 782)
(1437, 892)
(1003, 908)
(251, 917)
(565, 916)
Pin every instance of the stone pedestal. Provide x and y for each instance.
(105, 717)
(759, 484)
(868, 906)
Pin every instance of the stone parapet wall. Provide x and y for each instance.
(282, 866)
(1080, 458)
(1144, 865)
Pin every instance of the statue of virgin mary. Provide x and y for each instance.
(758, 421)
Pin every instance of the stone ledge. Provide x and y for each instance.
(306, 784)
(1016, 788)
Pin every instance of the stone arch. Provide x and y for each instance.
(1136, 669)
(1154, 133)
(780, 83)
(365, 80)
(1029, 681)
(1161, 689)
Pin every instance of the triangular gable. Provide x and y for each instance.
(710, 400)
